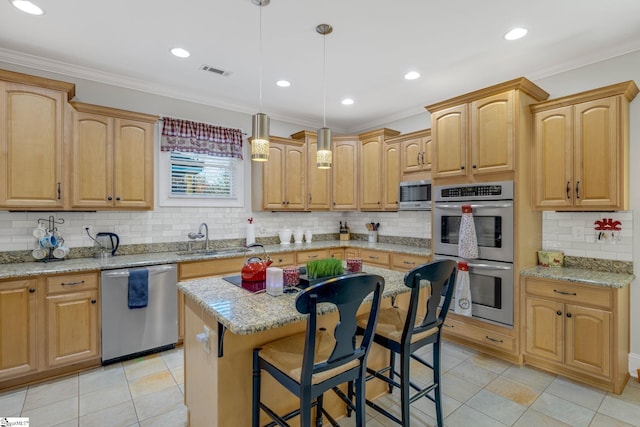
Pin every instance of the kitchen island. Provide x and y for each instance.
(218, 372)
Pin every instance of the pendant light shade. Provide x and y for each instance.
(324, 155)
(260, 122)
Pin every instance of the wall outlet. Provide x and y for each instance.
(577, 233)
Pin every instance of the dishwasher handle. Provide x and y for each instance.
(152, 270)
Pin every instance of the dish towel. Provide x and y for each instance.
(138, 288)
(467, 239)
(463, 290)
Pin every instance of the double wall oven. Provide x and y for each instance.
(491, 275)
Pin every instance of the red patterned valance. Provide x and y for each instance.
(183, 135)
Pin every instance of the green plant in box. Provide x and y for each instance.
(319, 268)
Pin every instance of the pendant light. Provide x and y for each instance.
(323, 156)
(260, 121)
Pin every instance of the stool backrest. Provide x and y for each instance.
(441, 275)
(347, 293)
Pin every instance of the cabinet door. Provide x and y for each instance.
(18, 328)
(391, 177)
(553, 138)
(344, 170)
(72, 327)
(588, 339)
(412, 155)
(31, 147)
(319, 186)
(597, 154)
(492, 134)
(544, 328)
(133, 164)
(273, 178)
(427, 153)
(371, 174)
(449, 132)
(295, 177)
(92, 161)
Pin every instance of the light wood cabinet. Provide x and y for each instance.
(405, 262)
(391, 177)
(477, 134)
(304, 256)
(581, 150)
(18, 328)
(373, 169)
(72, 313)
(111, 158)
(344, 174)
(375, 257)
(580, 331)
(318, 180)
(415, 155)
(281, 181)
(32, 138)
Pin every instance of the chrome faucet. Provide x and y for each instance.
(199, 235)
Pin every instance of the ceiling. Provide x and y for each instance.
(456, 45)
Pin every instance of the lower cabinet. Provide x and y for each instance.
(579, 331)
(48, 326)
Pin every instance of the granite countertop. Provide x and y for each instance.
(37, 268)
(578, 275)
(244, 313)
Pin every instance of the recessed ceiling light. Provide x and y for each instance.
(516, 33)
(283, 83)
(27, 7)
(348, 101)
(180, 52)
(412, 75)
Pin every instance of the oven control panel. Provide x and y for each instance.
(502, 190)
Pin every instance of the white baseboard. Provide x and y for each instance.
(634, 364)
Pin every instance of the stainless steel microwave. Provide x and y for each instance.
(415, 195)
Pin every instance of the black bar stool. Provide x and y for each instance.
(402, 332)
(312, 362)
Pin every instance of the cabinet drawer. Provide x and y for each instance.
(305, 256)
(337, 253)
(573, 294)
(72, 283)
(407, 262)
(484, 336)
(282, 260)
(212, 267)
(370, 256)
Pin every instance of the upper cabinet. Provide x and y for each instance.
(477, 135)
(111, 159)
(280, 182)
(32, 138)
(582, 150)
(318, 180)
(344, 173)
(415, 155)
(373, 169)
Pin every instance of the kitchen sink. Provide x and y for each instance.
(222, 251)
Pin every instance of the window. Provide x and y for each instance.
(195, 179)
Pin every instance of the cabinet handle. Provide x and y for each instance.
(32, 290)
(447, 326)
(59, 191)
(422, 158)
(559, 313)
(373, 257)
(568, 190)
(409, 263)
(310, 198)
(79, 282)
(118, 198)
(418, 159)
(573, 294)
(493, 339)
(462, 167)
(568, 314)
(578, 190)
(313, 256)
(93, 301)
(109, 198)
(474, 166)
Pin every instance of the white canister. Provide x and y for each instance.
(373, 236)
(274, 281)
(298, 235)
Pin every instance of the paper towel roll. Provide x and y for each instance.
(251, 234)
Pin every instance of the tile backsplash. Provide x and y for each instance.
(574, 233)
(164, 225)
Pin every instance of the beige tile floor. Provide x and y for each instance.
(478, 391)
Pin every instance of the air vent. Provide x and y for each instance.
(214, 70)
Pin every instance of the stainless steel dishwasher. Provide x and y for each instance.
(127, 333)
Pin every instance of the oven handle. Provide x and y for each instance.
(459, 206)
(488, 266)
